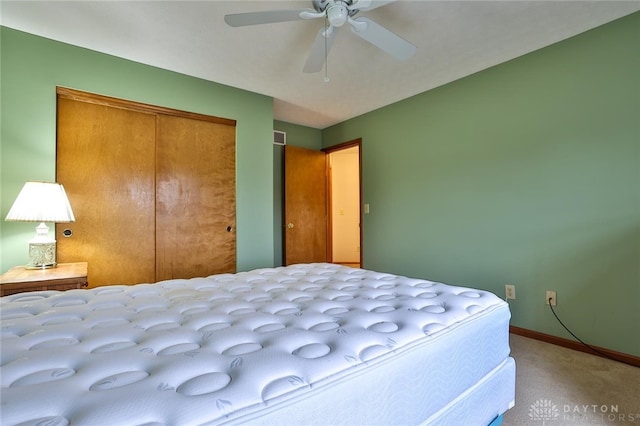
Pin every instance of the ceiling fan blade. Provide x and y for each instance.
(382, 38)
(265, 17)
(320, 50)
(369, 4)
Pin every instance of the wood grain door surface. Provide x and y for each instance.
(106, 162)
(305, 206)
(153, 194)
(195, 207)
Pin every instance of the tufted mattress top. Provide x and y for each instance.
(229, 347)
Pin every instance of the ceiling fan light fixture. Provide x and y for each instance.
(337, 14)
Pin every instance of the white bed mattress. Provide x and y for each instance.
(304, 344)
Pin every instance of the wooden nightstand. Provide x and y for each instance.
(65, 276)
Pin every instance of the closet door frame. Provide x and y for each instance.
(79, 95)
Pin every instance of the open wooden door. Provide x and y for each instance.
(305, 210)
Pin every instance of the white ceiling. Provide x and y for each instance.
(454, 39)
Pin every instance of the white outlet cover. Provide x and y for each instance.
(510, 291)
(551, 295)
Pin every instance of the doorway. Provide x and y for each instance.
(322, 191)
(343, 173)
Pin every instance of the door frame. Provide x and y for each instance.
(332, 149)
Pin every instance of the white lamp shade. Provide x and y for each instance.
(41, 202)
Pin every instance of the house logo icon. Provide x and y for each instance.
(544, 410)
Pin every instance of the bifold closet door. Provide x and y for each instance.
(195, 198)
(106, 162)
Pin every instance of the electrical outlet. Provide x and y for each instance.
(550, 296)
(510, 291)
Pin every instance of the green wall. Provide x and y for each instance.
(527, 173)
(32, 67)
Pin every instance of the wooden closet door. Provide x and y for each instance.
(106, 162)
(195, 198)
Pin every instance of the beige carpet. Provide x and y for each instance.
(556, 386)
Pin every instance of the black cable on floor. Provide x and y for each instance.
(586, 344)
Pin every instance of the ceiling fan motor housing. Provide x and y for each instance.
(323, 5)
(320, 5)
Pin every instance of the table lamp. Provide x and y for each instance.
(41, 202)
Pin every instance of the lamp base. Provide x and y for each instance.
(42, 255)
(44, 266)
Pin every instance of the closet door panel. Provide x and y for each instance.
(106, 162)
(195, 198)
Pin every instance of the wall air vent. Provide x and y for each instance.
(279, 138)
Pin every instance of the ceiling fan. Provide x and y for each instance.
(336, 13)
